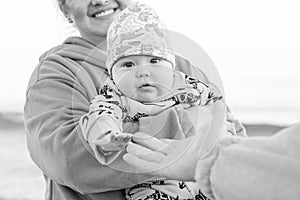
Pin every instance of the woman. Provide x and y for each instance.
(237, 168)
(59, 92)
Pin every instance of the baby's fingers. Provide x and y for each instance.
(120, 137)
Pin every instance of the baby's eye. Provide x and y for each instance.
(155, 60)
(128, 64)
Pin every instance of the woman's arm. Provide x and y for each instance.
(253, 168)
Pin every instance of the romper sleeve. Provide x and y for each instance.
(102, 126)
(235, 127)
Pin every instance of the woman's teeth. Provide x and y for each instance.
(105, 13)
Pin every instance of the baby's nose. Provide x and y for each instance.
(143, 72)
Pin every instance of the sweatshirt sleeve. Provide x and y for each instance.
(55, 101)
(253, 168)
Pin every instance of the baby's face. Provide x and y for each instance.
(143, 78)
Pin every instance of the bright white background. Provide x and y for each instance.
(254, 44)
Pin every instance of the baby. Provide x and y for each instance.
(145, 93)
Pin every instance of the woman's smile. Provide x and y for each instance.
(100, 12)
(93, 19)
(104, 13)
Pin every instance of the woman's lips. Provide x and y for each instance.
(104, 12)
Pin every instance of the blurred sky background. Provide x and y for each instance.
(255, 46)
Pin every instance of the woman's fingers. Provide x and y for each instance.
(230, 128)
(167, 141)
(141, 164)
(145, 153)
(150, 142)
(229, 116)
(177, 162)
(137, 149)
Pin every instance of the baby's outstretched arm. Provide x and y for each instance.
(114, 141)
(102, 127)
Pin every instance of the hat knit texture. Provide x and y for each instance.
(137, 30)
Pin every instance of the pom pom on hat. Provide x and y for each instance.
(137, 30)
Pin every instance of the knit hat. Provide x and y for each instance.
(137, 30)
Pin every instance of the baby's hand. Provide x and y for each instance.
(114, 141)
(120, 140)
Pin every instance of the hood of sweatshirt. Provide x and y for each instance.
(78, 49)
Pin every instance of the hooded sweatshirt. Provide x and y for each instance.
(59, 92)
(253, 168)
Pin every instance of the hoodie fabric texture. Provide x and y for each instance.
(253, 168)
(59, 92)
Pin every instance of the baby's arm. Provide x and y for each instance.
(113, 141)
(205, 93)
(109, 140)
(208, 94)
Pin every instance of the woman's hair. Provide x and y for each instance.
(60, 4)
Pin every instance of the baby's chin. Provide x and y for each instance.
(150, 96)
(146, 98)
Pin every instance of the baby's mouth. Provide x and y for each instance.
(146, 86)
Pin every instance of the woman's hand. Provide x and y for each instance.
(174, 159)
(233, 125)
